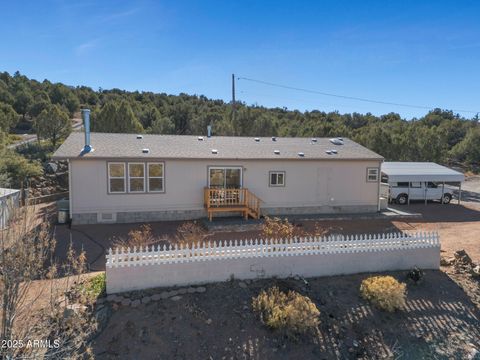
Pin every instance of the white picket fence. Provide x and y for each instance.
(338, 244)
(157, 266)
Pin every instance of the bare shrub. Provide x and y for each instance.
(27, 274)
(319, 230)
(143, 236)
(190, 233)
(290, 312)
(276, 228)
(385, 292)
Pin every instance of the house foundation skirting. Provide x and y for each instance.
(172, 215)
(327, 209)
(138, 216)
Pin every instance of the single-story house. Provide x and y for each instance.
(9, 201)
(135, 178)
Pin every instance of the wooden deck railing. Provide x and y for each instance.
(232, 200)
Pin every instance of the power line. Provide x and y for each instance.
(348, 97)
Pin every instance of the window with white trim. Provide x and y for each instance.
(226, 177)
(136, 177)
(277, 178)
(372, 174)
(116, 177)
(155, 177)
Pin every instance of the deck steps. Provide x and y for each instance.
(232, 200)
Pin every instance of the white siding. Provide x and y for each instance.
(307, 183)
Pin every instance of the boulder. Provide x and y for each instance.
(445, 262)
(51, 168)
(476, 271)
(102, 315)
(462, 258)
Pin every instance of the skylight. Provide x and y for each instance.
(336, 141)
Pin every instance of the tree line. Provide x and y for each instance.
(44, 108)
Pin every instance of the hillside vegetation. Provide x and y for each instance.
(43, 108)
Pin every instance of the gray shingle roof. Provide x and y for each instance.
(120, 146)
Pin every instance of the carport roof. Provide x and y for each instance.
(420, 171)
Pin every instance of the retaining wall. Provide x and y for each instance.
(135, 270)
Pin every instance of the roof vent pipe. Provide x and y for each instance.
(209, 131)
(86, 126)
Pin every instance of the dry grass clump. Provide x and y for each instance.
(290, 312)
(142, 236)
(385, 292)
(190, 233)
(277, 228)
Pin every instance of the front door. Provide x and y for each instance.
(225, 177)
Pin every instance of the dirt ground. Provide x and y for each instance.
(458, 226)
(442, 319)
(440, 322)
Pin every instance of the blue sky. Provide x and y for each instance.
(424, 53)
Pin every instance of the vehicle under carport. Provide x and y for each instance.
(420, 181)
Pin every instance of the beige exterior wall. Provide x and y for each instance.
(308, 183)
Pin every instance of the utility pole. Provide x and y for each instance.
(233, 98)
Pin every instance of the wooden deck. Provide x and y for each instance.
(232, 200)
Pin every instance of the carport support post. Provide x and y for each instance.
(459, 192)
(425, 192)
(443, 192)
(408, 193)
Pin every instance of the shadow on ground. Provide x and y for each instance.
(439, 322)
(437, 212)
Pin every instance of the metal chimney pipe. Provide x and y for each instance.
(209, 131)
(86, 126)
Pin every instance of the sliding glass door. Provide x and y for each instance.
(225, 177)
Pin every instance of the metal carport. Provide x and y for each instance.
(422, 172)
